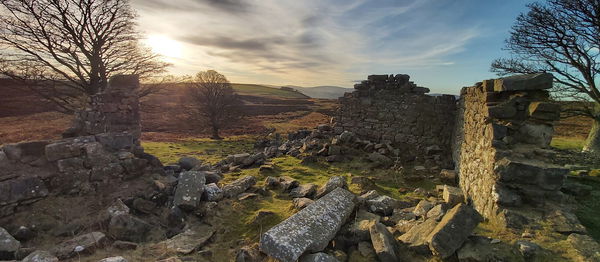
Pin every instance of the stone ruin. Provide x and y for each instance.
(393, 110)
(105, 149)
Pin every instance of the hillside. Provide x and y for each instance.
(261, 90)
(323, 92)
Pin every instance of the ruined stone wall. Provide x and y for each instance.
(391, 109)
(33, 170)
(505, 126)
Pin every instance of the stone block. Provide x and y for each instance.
(8, 245)
(116, 141)
(384, 243)
(546, 176)
(22, 189)
(416, 237)
(212, 192)
(128, 228)
(585, 247)
(524, 82)
(309, 230)
(456, 226)
(189, 190)
(88, 244)
(238, 186)
(333, 183)
(452, 195)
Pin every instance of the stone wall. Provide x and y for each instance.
(33, 170)
(391, 109)
(503, 130)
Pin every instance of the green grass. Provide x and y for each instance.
(207, 150)
(588, 210)
(259, 90)
(570, 143)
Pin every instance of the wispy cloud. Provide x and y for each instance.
(306, 42)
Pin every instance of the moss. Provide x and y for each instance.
(208, 150)
(570, 143)
(588, 210)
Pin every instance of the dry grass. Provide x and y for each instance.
(40, 126)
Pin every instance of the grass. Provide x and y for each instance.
(259, 90)
(570, 143)
(208, 150)
(588, 210)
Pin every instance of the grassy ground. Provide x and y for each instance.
(205, 149)
(569, 143)
(251, 89)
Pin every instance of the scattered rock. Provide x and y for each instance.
(189, 190)
(114, 259)
(287, 183)
(23, 233)
(452, 195)
(8, 245)
(212, 192)
(129, 228)
(585, 247)
(333, 183)
(247, 196)
(318, 257)
(87, 244)
(528, 249)
(383, 242)
(189, 162)
(301, 203)
(249, 254)
(417, 237)
(360, 225)
(312, 228)
(40, 256)
(186, 242)
(456, 226)
(125, 245)
(383, 205)
(143, 205)
(565, 223)
(304, 191)
(380, 160)
(479, 249)
(437, 212)
(423, 207)
(238, 186)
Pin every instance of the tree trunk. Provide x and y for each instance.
(592, 143)
(215, 132)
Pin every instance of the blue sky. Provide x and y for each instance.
(442, 44)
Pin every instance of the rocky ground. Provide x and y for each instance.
(337, 197)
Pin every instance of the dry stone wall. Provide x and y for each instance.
(391, 109)
(502, 132)
(33, 170)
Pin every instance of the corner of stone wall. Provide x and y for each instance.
(503, 133)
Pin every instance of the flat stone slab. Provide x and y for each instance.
(81, 244)
(189, 189)
(238, 186)
(454, 229)
(524, 82)
(309, 230)
(187, 241)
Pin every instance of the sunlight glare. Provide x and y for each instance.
(164, 46)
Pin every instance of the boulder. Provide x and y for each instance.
(212, 192)
(306, 190)
(129, 228)
(456, 226)
(452, 195)
(8, 245)
(359, 228)
(383, 205)
(249, 253)
(238, 186)
(437, 212)
(40, 256)
(189, 190)
(565, 222)
(384, 243)
(585, 247)
(21, 189)
(309, 230)
(189, 162)
(117, 208)
(87, 244)
(423, 207)
(416, 237)
(527, 248)
(301, 203)
(186, 242)
(288, 183)
(318, 257)
(333, 183)
(480, 249)
(143, 205)
(114, 259)
(524, 82)
(379, 159)
(23, 233)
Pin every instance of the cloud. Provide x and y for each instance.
(310, 41)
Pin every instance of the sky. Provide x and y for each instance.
(442, 44)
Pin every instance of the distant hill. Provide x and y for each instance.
(326, 92)
(261, 90)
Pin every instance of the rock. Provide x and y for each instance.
(452, 195)
(129, 228)
(65, 149)
(212, 192)
(247, 196)
(143, 205)
(524, 82)
(188, 241)
(456, 226)
(23, 233)
(366, 249)
(189, 162)
(87, 244)
(448, 175)
(423, 207)
(333, 183)
(263, 169)
(585, 247)
(383, 205)
(417, 237)
(189, 190)
(238, 186)
(576, 189)
(249, 254)
(212, 177)
(114, 259)
(480, 249)
(304, 191)
(125, 245)
(175, 217)
(383, 242)
(8, 245)
(287, 183)
(318, 257)
(40, 256)
(238, 159)
(272, 182)
(309, 230)
(565, 222)
(21, 189)
(528, 249)
(402, 215)
(437, 212)
(301, 203)
(380, 160)
(359, 228)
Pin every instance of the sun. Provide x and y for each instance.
(165, 46)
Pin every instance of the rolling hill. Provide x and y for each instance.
(261, 90)
(325, 92)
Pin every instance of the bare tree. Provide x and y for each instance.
(213, 100)
(66, 50)
(561, 37)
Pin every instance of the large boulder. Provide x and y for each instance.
(456, 226)
(238, 186)
(333, 183)
(189, 190)
(416, 237)
(384, 243)
(8, 245)
(309, 230)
